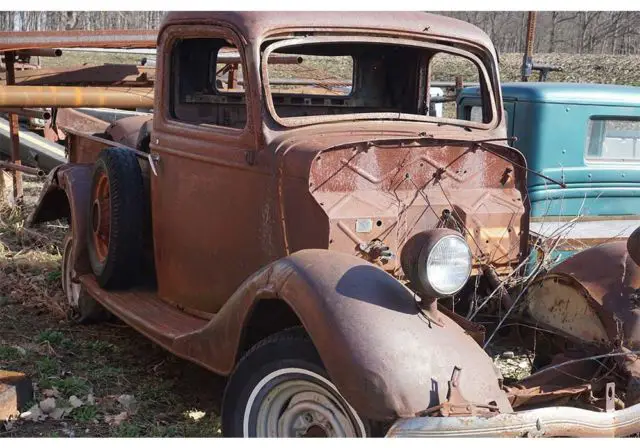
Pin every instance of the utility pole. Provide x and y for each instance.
(527, 60)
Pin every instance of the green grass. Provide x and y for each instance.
(9, 353)
(126, 429)
(71, 385)
(84, 414)
(100, 347)
(51, 336)
(54, 276)
(47, 367)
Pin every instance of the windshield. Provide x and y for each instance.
(317, 79)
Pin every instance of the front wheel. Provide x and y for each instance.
(281, 389)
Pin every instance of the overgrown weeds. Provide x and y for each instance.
(105, 361)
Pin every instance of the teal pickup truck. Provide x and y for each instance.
(586, 136)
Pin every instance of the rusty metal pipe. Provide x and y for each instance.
(48, 96)
(495, 283)
(543, 422)
(43, 52)
(23, 169)
(30, 113)
(10, 59)
(273, 59)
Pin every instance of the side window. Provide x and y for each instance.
(613, 139)
(206, 83)
(444, 70)
(475, 114)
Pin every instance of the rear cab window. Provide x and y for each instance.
(613, 139)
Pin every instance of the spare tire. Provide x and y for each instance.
(115, 219)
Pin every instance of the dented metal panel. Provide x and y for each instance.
(592, 298)
(403, 188)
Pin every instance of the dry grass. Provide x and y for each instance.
(107, 360)
(74, 58)
(603, 69)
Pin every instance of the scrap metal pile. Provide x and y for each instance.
(30, 95)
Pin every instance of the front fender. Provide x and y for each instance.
(66, 194)
(594, 297)
(382, 354)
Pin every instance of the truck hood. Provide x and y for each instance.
(372, 186)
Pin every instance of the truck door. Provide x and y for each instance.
(205, 194)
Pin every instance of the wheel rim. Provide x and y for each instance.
(300, 403)
(70, 285)
(101, 217)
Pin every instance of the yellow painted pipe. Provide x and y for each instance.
(50, 96)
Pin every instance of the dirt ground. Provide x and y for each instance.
(171, 397)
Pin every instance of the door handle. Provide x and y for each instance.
(153, 159)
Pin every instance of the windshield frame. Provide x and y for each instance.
(292, 122)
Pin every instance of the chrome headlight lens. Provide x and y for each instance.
(447, 265)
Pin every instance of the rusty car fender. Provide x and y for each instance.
(594, 297)
(66, 194)
(387, 358)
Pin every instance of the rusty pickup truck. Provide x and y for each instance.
(330, 246)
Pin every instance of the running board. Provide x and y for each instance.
(144, 311)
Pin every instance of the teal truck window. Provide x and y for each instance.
(613, 139)
(475, 114)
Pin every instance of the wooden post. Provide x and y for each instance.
(527, 60)
(231, 77)
(9, 58)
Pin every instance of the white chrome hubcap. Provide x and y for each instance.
(300, 403)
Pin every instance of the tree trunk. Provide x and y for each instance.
(17, 21)
(72, 20)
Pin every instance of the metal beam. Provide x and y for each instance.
(28, 113)
(9, 59)
(48, 96)
(12, 41)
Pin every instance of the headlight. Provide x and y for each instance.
(447, 264)
(438, 262)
